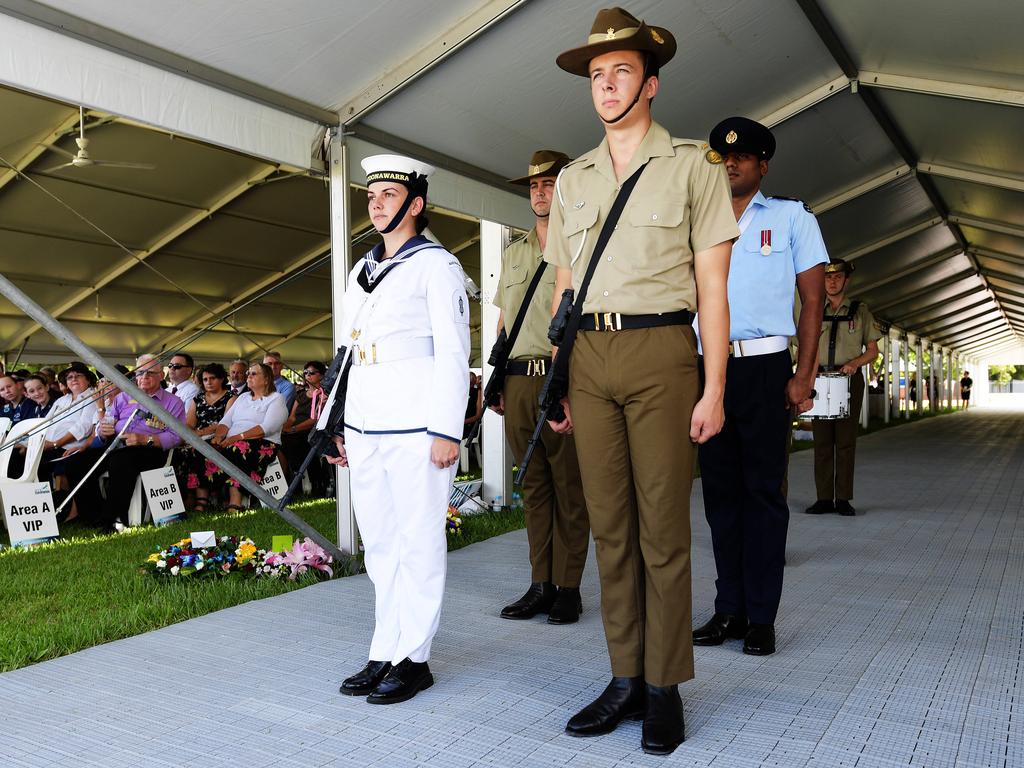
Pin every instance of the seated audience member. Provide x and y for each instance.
(179, 378)
(281, 384)
(39, 395)
(236, 376)
(37, 404)
(249, 434)
(204, 413)
(145, 446)
(295, 435)
(15, 404)
(50, 375)
(474, 405)
(72, 422)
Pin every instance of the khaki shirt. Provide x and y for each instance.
(680, 205)
(852, 336)
(518, 266)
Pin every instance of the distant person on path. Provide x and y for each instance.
(965, 389)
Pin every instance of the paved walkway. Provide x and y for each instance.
(900, 642)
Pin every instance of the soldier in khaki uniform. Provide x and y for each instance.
(634, 392)
(849, 341)
(556, 512)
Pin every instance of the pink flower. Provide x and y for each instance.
(242, 447)
(306, 554)
(193, 481)
(211, 468)
(234, 483)
(255, 477)
(266, 450)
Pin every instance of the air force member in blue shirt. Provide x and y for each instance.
(742, 468)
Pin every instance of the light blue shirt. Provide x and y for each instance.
(287, 389)
(762, 287)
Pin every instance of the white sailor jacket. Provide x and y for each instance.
(410, 347)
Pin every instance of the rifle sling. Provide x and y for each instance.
(561, 363)
(517, 324)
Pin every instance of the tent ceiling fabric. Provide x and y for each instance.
(251, 232)
(923, 130)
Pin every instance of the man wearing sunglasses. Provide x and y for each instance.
(179, 376)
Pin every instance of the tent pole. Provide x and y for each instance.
(13, 294)
(341, 265)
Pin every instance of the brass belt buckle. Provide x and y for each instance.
(612, 321)
(373, 349)
(540, 367)
(362, 355)
(529, 367)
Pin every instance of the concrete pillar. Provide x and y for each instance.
(497, 457)
(933, 380)
(906, 377)
(341, 265)
(920, 375)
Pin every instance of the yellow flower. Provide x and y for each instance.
(245, 552)
(153, 558)
(184, 542)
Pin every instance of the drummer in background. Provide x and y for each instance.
(849, 341)
(743, 467)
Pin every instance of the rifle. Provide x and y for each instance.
(556, 383)
(498, 360)
(329, 424)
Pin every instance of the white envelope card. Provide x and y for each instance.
(202, 539)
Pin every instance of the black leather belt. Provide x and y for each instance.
(614, 321)
(536, 367)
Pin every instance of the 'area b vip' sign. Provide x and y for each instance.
(29, 513)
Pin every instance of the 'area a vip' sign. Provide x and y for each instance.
(29, 513)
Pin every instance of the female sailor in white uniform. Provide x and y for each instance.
(406, 316)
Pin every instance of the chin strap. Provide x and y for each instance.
(633, 103)
(400, 214)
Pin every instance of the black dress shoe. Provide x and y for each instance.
(845, 508)
(664, 729)
(821, 507)
(538, 599)
(721, 627)
(365, 680)
(567, 606)
(405, 680)
(623, 699)
(760, 640)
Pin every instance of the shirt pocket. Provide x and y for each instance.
(576, 224)
(654, 231)
(751, 242)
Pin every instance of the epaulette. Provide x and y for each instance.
(794, 200)
(710, 155)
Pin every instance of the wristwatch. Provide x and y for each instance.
(149, 440)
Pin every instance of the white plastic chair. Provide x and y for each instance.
(138, 504)
(33, 451)
(5, 424)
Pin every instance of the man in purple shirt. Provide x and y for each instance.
(145, 445)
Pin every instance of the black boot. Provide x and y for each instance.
(405, 680)
(664, 729)
(845, 508)
(538, 599)
(821, 507)
(760, 640)
(623, 699)
(721, 627)
(365, 680)
(567, 606)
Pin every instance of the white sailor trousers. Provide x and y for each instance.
(400, 501)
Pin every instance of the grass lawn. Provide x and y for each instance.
(87, 589)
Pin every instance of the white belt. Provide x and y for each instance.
(391, 351)
(752, 347)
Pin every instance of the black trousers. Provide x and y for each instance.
(742, 472)
(124, 465)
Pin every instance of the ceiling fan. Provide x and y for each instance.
(82, 158)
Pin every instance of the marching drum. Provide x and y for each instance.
(831, 397)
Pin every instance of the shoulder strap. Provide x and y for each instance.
(525, 306)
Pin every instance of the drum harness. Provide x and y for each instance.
(849, 317)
